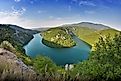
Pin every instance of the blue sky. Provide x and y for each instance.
(49, 13)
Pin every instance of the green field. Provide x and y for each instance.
(91, 36)
(57, 37)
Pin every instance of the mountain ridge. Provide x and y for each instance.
(96, 26)
(89, 32)
(16, 33)
(88, 25)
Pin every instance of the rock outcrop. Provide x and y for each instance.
(11, 60)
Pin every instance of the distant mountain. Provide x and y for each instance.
(82, 24)
(41, 29)
(15, 35)
(17, 28)
(88, 25)
(88, 32)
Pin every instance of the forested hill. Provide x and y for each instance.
(90, 32)
(86, 31)
(15, 34)
(88, 25)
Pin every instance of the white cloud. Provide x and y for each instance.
(12, 17)
(17, 12)
(9, 18)
(87, 3)
(14, 12)
(16, 17)
(51, 17)
(17, 0)
(83, 2)
(59, 18)
(24, 9)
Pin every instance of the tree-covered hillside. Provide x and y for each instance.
(87, 25)
(17, 36)
(90, 32)
(86, 31)
(57, 37)
(103, 63)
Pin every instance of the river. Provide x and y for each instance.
(60, 56)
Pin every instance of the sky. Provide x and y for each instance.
(51, 13)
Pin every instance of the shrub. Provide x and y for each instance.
(104, 63)
(44, 65)
(6, 45)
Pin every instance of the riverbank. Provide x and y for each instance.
(57, 38)
(60, 56)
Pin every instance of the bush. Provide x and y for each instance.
(6, 45)
(44, 65)
(104, 63)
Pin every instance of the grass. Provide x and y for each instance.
(9, 72)
(91, 36)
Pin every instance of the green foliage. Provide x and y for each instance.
(104, 63)
(51, 44)
(87, 70)
(44, 65)
(26, 59)
(6, 45)
(15, 35)
(6, 33)
(83, 33)
(57, 37)
(91, 36)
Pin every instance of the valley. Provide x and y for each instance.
(84, 46)
(60, 40)
(90, 32)
(86, 31)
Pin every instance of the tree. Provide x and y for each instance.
(105, 62)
